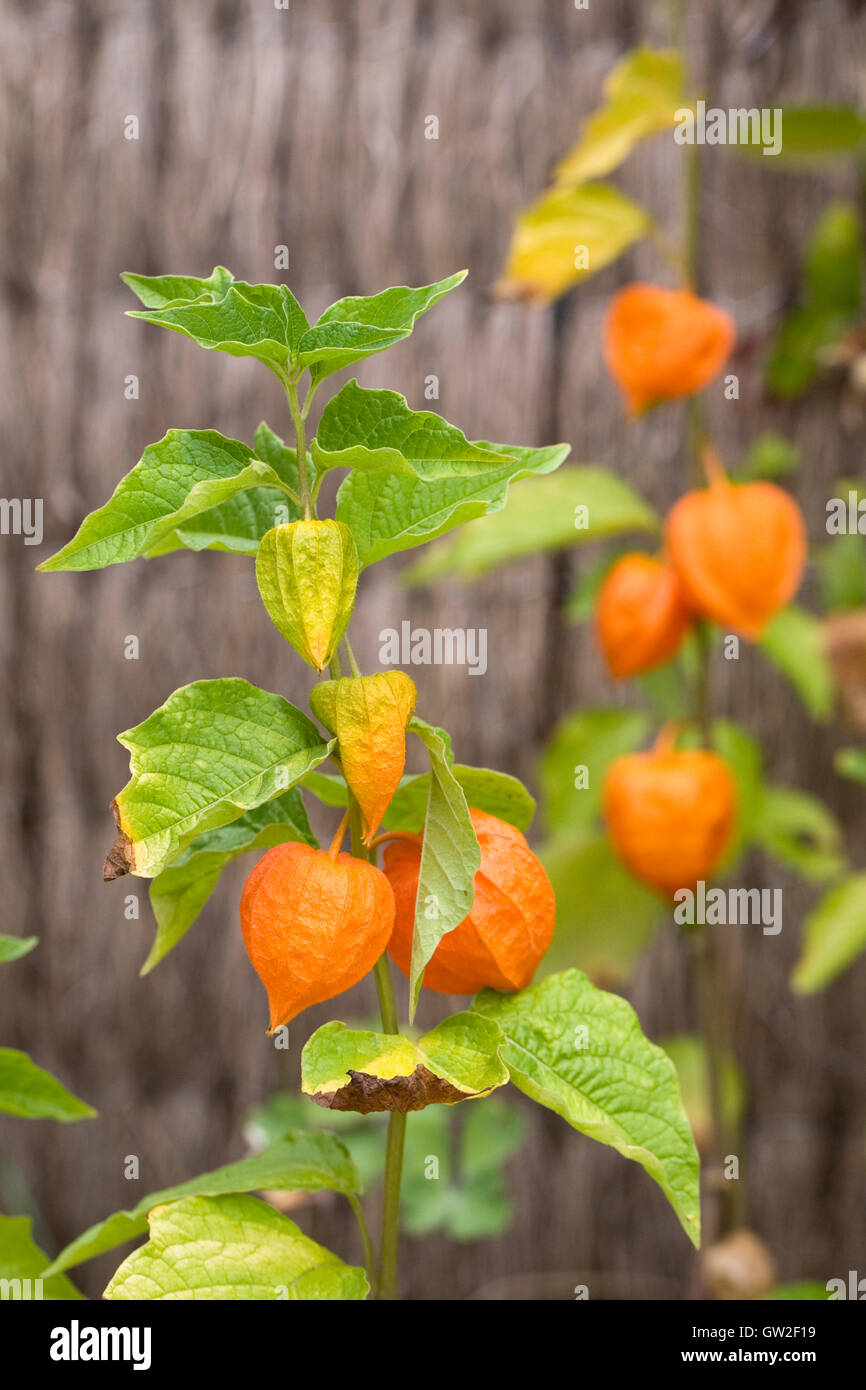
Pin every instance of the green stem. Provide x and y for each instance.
(704, 945)
(353, 661)
(308, 399)
(675, 21)
(386, 1281)
(387, 1003)
(703, 636)
(386, 1287)
(386, 1284)
(691, 215)
(298, 420)
(670, 253)
(369, 1256)
(722, 1141)
(728, 1193)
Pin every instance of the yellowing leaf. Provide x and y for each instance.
(345, 1069)
(228, 1248)
(642, 94)
(566, 236)
(369, 715)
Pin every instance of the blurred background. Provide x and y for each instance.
(305, 127)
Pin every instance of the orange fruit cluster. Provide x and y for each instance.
(315, 922)
(734, 554)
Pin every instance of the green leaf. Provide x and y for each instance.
(794, 642)
(238, 525)
(833, 291)
(851, 762)
(167, 291)
(468, 1198)
(33, 1094)
(799, 1290)
(270, 448)
(794, 363)
(576, 759)
(285, 1110)
(841, 566)
(262, 321)
(14, 947)
(186, 474)
(581, 602)
(21, 1258)
(359, 326)
(770, 456)
(569, 234)
(689, 1055)
(388, 512)
(413, 476)
(231, 1248)
(580, 504)
(605, 918)
(433, 730)
(800, 831)
(642, 94)
(328, 787)
(834, 935)
(214, 750)
(669, 689)
(581, 1053)
(744, 759)
(348, 1069)
(834, 266)
(361, 428)
(235, 527)
(485, 790)
(309, 1162)
(180, 891)
(814, 134)
(450, 859)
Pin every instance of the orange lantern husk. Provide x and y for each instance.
(641, 615)
(660, 344)
(314, 923)
(501, 941)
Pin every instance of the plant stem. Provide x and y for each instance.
(703, 636)
(388, 835)
(387, 1004)
(386, 1286)
(691, 215)
(335, 666)
(298, 420)
(712, 1021)
(369, 1256)
(703, 944)
(386, 1280)
(670, 253)
(675, 21)
(711, 1005)
(353, 661)
(691, 234)
(338, 837)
